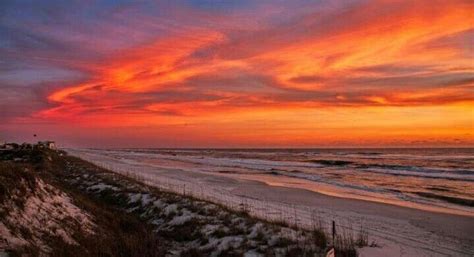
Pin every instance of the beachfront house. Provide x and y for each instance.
(47, 144)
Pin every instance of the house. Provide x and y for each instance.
(47, 144)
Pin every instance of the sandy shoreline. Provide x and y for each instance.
(436, 222)
(418, 232)
(323, 189)
(449, 224)
(400, 231)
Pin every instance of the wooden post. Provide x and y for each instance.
(333, 231)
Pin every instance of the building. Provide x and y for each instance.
(47, 144)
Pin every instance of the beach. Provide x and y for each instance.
(396, 230)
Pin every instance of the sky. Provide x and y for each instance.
(202, 73)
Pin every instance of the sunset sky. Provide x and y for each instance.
(238, 73)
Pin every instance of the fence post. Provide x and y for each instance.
(333, 231)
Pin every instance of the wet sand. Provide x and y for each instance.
(399, 231)
(438, 223)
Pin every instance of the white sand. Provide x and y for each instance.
(47, 212)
